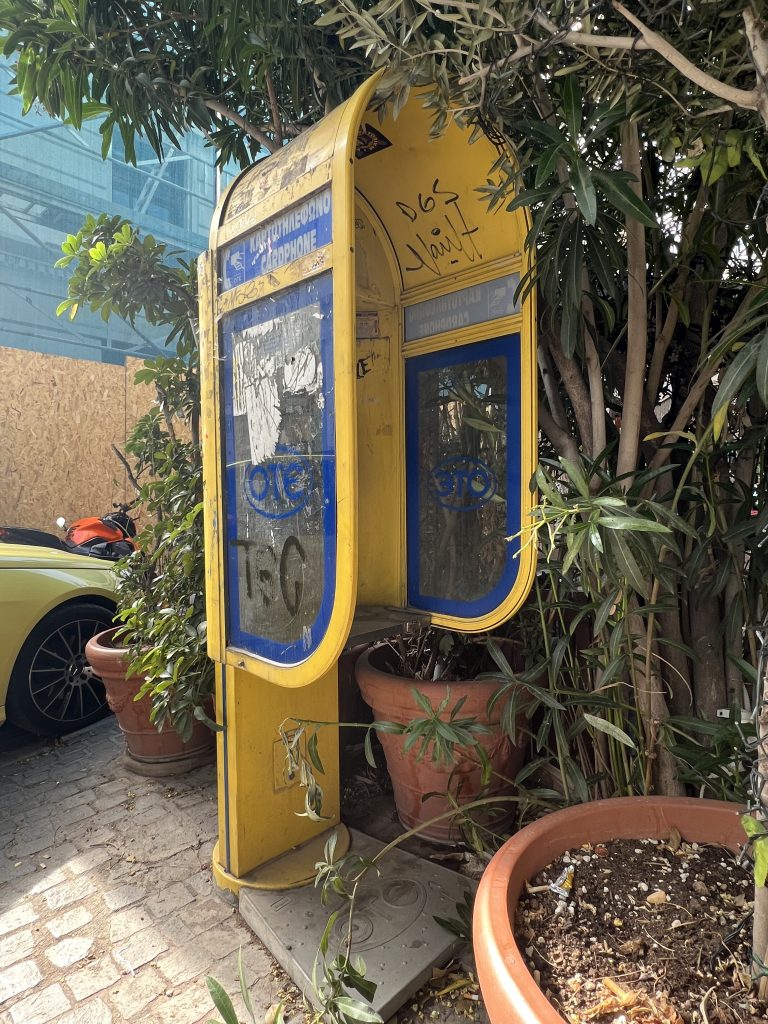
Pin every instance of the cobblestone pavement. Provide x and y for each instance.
(108, 913)
(107, 908)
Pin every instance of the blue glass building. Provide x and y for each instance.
(51, 176)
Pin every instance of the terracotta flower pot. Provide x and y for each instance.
(511, 995)
(149, 752)
(391, 698)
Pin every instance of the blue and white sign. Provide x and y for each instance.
(477, 304)
(293, 234)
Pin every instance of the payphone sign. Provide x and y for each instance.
(280, 485)
(289, 236)
(463, 476)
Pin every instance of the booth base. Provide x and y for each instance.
(289, 871)
(393, 927)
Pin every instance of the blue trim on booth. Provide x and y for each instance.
(507, 347)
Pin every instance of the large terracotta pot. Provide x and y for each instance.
(149, 752)
(391, 698)
(511, 995)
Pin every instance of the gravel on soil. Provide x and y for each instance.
(642, 932)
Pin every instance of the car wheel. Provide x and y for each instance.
(53, 690)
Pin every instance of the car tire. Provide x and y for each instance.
(53, 689)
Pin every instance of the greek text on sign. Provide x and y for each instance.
(287, 237)
(474, 305)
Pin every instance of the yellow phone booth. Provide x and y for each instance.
(369, 436)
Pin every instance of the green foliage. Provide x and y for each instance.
(758, 836)
(246, 74)
(225, 1006)
(715, 758)
(460, 926)
(160, 588)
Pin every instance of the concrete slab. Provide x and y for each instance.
(394, 927)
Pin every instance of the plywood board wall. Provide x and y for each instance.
(58, 419)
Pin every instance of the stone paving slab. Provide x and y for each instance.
(107, 909)
(108, 913)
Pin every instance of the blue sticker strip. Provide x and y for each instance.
(287, 237)
(476, 304)
(292, 479)
(459, 480)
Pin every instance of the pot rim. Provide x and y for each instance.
(428, 685)
(501, 966)
(102, 641)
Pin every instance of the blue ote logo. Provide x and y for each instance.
(280, 487)
(462, 483)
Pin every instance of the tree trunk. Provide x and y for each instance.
(637, 315)
(706, 641)
(653, 710)
(678, 672)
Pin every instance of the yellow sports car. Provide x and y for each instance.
(51, 604)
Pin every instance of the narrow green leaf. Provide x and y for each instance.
(530, 196)
(737, 373)
(353, 1009)
(610, 729)
(572, 106)
(761, 369)
(618, 192)
(633, 524)
(221, 1001)
(584, 190)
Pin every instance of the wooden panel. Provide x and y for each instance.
(58, 419)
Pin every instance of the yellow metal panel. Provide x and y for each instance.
(302, 166)
(263, 816)
(381, 542)
(477, 332)
(211, 445)
(425, 192)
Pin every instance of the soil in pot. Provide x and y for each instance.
(646, 931)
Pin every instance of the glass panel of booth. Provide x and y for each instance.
(280, 472)
(463, 416)
(291, 234)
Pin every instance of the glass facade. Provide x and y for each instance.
(51, 177)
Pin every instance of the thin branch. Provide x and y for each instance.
(255, 133)
(745, 98)
(564, 442)
(659, 353)
(274, 106)
(554, 399)
(129, 472)
(576, 389)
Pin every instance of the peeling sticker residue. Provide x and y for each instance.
(304, 373)
(262, 409)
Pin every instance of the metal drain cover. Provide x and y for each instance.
(394, 928)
